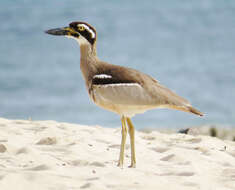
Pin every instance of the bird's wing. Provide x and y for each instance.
(123, 93)
(127, 86)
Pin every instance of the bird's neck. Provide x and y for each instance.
(88, 61)
(87, 51)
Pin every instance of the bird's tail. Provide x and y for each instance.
(195, 111)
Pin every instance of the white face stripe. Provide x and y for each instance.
(71, 37)
(102, 76)
(88, 28)
(81, 40)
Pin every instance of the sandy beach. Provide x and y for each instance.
(48, 155)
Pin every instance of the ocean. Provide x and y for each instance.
(188, 46)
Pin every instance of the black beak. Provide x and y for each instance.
(59, 31)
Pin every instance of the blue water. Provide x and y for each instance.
(189, 46)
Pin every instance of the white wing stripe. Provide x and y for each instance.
(120, 84)
(102, 76)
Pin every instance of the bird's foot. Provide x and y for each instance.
(120, 165)
(133, 165)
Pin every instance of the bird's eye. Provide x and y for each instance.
(81, 28)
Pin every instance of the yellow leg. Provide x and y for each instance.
(124, 131)
(132, 140)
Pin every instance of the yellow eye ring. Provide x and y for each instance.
(81, 28)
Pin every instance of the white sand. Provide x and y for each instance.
(47, 155)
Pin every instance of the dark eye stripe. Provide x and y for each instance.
(86, 34)
(90, 30)
(89, 33)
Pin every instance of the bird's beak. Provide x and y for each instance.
(65, 31)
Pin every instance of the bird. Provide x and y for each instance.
(122, 90)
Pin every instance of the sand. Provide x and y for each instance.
(48, 155)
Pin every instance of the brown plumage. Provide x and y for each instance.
(122, 90)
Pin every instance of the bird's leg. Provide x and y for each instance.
(124, 131)
(132, 140)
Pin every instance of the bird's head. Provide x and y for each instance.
(80, 31)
